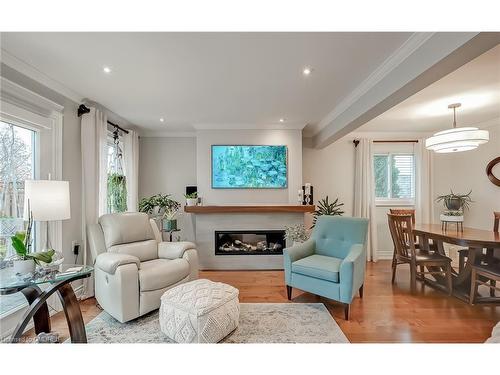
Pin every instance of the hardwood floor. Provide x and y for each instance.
(387, 313)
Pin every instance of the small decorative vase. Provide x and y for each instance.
(24, 267)
(192, 201)
(170, 225)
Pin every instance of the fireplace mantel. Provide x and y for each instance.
(266, 208)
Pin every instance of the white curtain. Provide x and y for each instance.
(131, 164)
(424, 194)
(94, 179)
(364, 194)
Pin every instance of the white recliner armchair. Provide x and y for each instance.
(133, 267)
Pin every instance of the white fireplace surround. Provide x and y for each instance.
(205, 225)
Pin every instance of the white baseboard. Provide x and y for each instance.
(385, 254)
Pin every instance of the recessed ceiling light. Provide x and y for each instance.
(162, 119)
(307, 71)
(282, 120)
(106, 69)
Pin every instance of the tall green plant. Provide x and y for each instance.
(327, 208)
(117, 193)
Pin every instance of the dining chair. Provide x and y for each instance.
(487, 270)
(409, 211)
(401, 228)
(484, 274)
(489, 257)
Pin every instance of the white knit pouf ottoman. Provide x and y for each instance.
(199, 311)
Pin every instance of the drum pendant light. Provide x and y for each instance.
(456, 139)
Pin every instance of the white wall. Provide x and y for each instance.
(467, 171)
(167, 165)
(206, 138)
(331, 172)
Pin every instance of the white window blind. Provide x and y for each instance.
(394, 178)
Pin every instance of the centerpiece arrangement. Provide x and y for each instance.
(455, 205)
(163, 207)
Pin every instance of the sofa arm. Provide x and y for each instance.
(352, 272)
(174, 250)
(294, 253)
(109, 262)
(191, 256)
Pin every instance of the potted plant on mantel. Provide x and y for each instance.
(191, 199)
(161, 207)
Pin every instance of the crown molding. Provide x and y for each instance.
(35, 74)
(415, 41)
(261, 126)
(167, 134)
(18, 95)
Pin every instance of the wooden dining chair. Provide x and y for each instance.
(489, 257)
(484, 274)
(401, 228)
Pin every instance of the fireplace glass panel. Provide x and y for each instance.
(256, 242)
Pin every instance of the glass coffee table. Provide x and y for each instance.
(59, 281)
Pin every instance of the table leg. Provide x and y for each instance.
(41, 318)
(71, 310)
(73, 314)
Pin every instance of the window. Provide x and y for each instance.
(394, 178)
(17, 164)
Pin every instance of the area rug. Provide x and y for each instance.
(259, 323)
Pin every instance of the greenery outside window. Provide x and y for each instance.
(117, 187)
(394, 178)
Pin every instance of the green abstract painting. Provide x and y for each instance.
(243, 167)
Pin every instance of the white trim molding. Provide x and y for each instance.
(35, 74)
(415, 41)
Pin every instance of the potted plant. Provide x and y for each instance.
(296, 234)
(24, 262)
(169, 218)
(191, 199)
(455, 203)
(163, 207)
(327, 208)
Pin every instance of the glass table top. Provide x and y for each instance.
(10, 281)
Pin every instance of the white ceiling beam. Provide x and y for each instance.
(424, 59)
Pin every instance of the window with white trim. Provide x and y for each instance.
(394, 175)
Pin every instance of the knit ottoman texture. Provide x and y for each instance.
(200, 311)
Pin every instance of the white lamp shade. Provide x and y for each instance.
(457, 140)
(48, 200)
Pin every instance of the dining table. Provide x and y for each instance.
(476, 241)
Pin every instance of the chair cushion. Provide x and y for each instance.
(144, 250)
(160, 273)
(318, 266)
(126, 227)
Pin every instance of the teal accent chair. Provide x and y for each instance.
(332, 262)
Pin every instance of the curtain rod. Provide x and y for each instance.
(82, 109)
(356, 141)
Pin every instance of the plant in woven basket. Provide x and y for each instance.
(327, 208)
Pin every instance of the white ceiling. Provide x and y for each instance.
(476, 85)
(203, 80)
